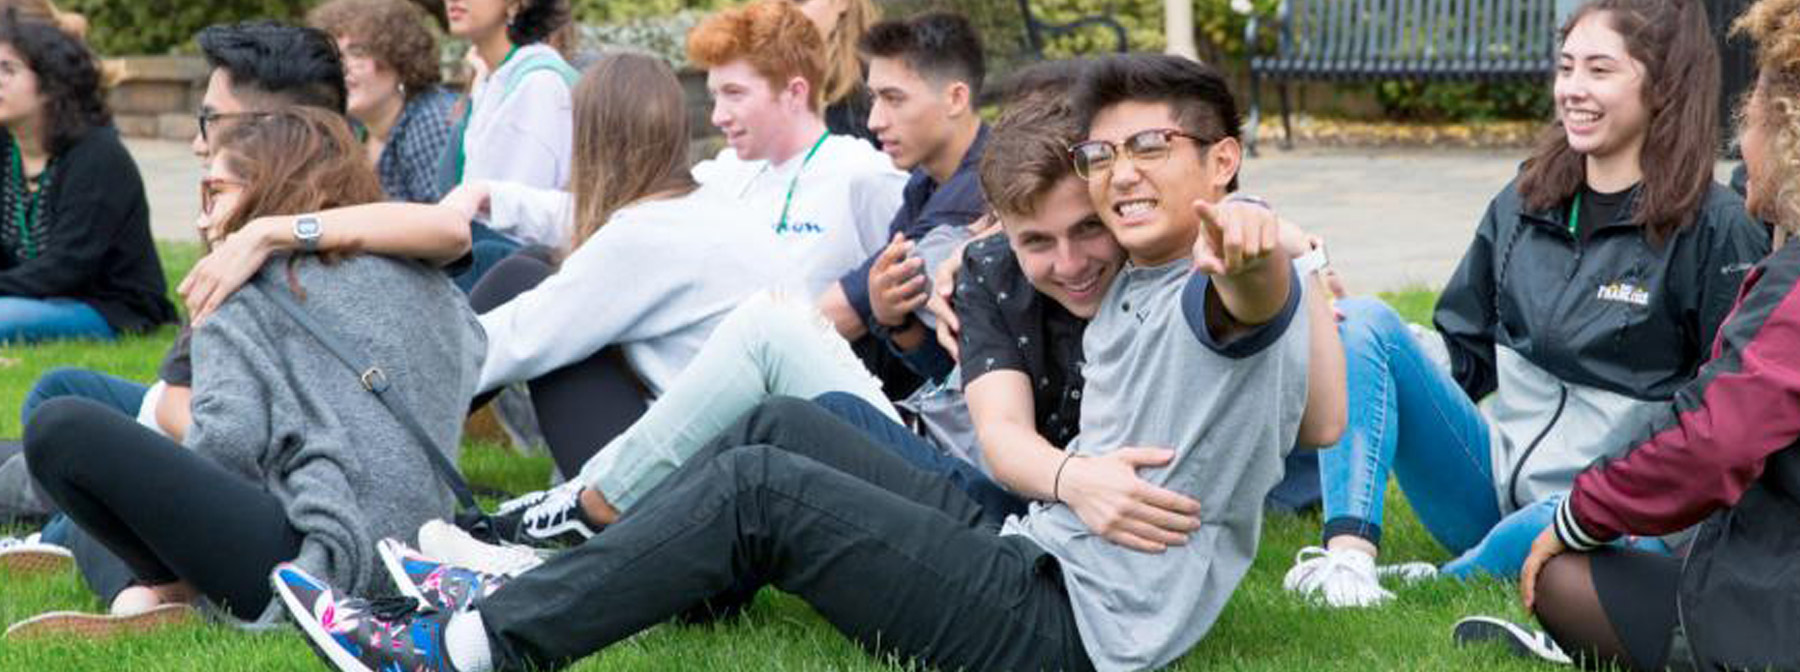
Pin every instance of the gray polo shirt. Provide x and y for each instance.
(1156, 378)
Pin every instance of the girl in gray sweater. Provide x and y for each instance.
(289, 458)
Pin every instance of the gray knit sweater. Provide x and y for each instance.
(272, 404)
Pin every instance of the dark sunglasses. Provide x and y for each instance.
(1094, 158)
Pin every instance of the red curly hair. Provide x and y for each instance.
(772, 35)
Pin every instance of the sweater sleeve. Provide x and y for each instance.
(532, 214)
(97, 195)
(1718, 433)
(606, 292)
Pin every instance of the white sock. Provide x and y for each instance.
(466, 642)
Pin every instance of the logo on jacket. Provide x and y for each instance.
(798, 228)
(1624, 292)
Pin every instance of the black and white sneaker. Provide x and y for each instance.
(545, 519)
(1522, 641)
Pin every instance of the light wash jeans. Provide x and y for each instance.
(771, 345)
(25, 320)
(1409, 416)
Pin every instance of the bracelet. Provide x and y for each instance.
(1241, 197)
(1056, 485)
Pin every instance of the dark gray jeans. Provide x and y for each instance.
(896, 558)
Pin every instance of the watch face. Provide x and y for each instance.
(306, 227)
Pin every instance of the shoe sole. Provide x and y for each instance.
(302, 616)
(396, 569)
(1483, 629)
(31, 562)
(100, 626)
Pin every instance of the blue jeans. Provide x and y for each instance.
(996, 502)
(27, 320)
(117, 393)
(487, 247)
(1409, 416)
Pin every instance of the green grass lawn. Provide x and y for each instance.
(1262, 629)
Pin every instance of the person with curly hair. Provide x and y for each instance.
(76, 257)
(1720, 458)
(391, 74)
(518, 124)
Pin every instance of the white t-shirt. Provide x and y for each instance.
(531, 215)
(656, 279)
(524, 136)
(843, 201)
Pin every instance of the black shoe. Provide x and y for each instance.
(545, 519)
(1521, 641)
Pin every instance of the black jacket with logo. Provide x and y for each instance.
(1583, 338)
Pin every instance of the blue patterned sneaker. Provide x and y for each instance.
(357, 635)
(436, 585)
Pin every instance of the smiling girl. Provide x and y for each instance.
(1590, 294)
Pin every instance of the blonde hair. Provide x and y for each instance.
(1774, 25)
(631, 139)
(843, 65)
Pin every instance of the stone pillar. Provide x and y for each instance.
(1178, 28)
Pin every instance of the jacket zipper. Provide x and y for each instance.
(1512, 488)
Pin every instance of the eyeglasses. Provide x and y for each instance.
(1095, 158)
(211, 188)
(209, 117)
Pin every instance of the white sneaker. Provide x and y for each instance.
(1520, 640)
(450, 544)
(1408, 571)
(1342, 578)
(27, 555)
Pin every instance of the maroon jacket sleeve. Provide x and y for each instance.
(1742, 407)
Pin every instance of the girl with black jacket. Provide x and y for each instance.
(76, 257)
(1590, 295)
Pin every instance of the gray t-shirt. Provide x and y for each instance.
(1155, 378)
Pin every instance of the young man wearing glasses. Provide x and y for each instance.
(890, 558)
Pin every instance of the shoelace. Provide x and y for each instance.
(555, 505)
(396, 609)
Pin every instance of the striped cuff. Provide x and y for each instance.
(1569, 531)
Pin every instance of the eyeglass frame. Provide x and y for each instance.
(209, 196)
(205, 117)
(1074, 151)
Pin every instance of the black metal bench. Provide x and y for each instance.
(1011, 30)
(1363, 40)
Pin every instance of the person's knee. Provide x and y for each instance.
(1561, 582)
(842, 404)
(54, 428)
(1364, 315)
(57, 382)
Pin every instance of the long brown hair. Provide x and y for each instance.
(1681, 90)
(293, 161)
(631, 139)
(843, 64)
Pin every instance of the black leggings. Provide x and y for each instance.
(581, 406)
(166, 512)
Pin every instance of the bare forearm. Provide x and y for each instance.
(1255, 296)
(836, 307)
(1326, 398)
(1021, 460)
(436, 234)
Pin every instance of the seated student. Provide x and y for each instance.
(1589, 296)
(517, 124)
(829, 197)
(391, 74)
(1720, 456)
(288, 457)
(1210, 364)
(925, 73)
(76, 258)
(256, 68)
(671, 259)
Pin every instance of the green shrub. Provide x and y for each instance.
(134, 27)
(1463, 101)
(625, 11)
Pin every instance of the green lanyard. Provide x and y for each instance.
(25, 217)
(795, 182)
(1575, 215)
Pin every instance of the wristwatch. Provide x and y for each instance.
(307, 230)
(1313, 261)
